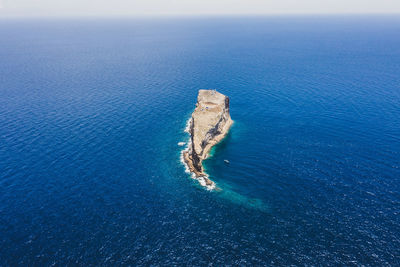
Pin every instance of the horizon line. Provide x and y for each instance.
(183, 15)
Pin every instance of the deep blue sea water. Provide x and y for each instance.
(91, 111)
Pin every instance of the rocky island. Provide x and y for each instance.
(209, 123)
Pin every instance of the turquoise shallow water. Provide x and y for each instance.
(92, 110)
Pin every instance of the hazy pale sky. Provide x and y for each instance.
(193, 7)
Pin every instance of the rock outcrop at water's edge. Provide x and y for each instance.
(209, 123)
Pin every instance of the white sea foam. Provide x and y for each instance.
(183, 161)
(202, 181)
(188, 124)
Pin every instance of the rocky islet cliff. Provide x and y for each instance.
(208, 125)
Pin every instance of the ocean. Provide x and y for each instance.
(92, 111)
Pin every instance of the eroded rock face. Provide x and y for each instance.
(209, 123)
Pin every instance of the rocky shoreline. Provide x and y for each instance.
(208, 125)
